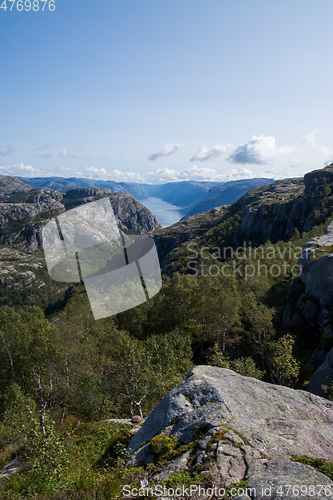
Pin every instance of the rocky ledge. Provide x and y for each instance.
(240, 427)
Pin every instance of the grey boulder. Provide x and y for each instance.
(258, 426)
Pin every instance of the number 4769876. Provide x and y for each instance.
(34, 5)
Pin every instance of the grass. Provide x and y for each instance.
(77, 460)
(320, 464)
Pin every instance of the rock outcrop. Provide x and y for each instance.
(86, 193)
(317, 268)
(10, 185)
(10, 469)
(310, 303)
(249, 430)
(23, 214)
(130, 214)
(323, 376)
(272, 212)
(275, 211)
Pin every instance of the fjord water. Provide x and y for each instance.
(166, 213)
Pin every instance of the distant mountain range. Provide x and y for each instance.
(196, 196)
(226, 193)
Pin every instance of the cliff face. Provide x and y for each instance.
(275, 211)
(249, 430)
(310, 303)
(130, 214)
(22, 215)
(272, 212)
(226, 193)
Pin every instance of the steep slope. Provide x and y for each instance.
(22, 216)
(23, 273)
(184, 194)
(131, 215)
(225, 194)
(272, 212)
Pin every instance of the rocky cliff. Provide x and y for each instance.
(272, 212)
(238, 428)
(11, 185)
(23, 214)
(310, 303)
(275, 211)
(226, 193)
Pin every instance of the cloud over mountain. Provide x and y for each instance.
(21, 170)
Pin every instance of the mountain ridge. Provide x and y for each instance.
(186, 194)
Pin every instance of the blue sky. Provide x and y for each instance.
(156, 91)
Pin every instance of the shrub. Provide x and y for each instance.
(320, 464)
(161, 445)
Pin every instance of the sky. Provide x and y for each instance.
(166, 90)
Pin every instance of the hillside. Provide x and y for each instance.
(12, 185)
(272, 212)
(24, 212)
(226, 193)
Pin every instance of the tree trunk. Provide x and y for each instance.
(42, 404)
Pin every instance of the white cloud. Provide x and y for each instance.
(97, 173)
(311, 140)
(260, 150)
(66, 154)
(206, 154)
(119, 176)
(73, 172)
(46, 156)
(159, 176)
(21, 170)
(193, 173)
(167, 150)
(6, 151)
(240, 173)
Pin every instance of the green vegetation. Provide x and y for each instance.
(161, 445)
(319, 464)
(75, 460)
